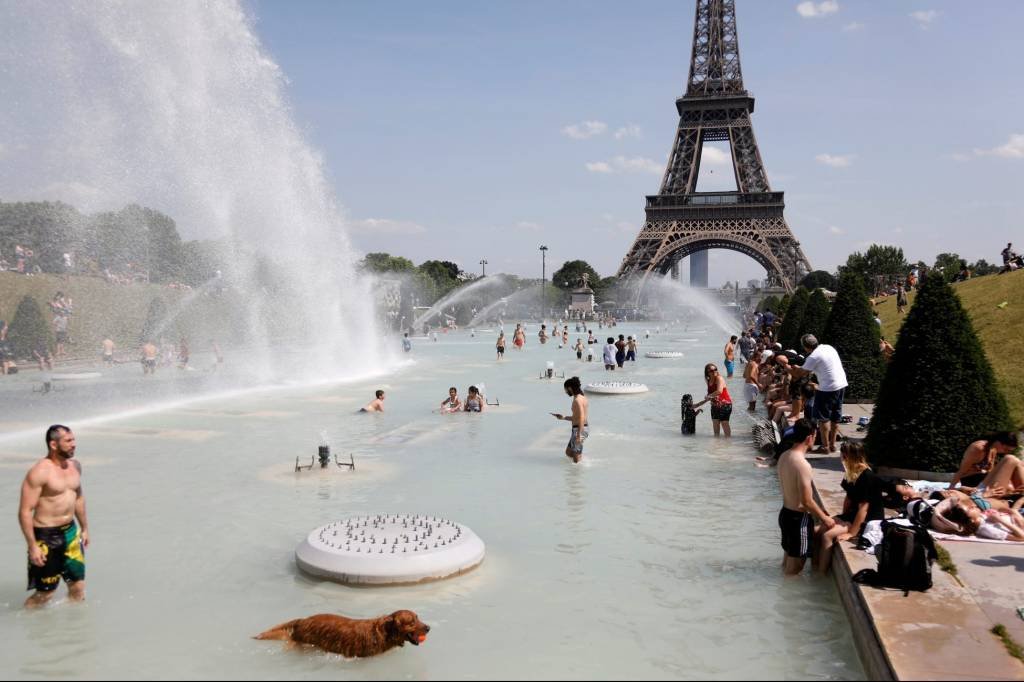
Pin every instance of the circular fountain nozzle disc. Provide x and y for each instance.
(389, 549)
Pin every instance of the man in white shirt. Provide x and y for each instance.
(823, 360)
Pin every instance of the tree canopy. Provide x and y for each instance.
(877, 266)
(939, 393)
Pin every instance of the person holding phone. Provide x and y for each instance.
(580, 425)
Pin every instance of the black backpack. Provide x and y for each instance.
(905, 558)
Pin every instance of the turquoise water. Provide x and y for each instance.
(657, 557)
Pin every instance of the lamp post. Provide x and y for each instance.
(543, 279)
(483, 266)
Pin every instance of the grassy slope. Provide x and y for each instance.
(1001, 330)
(102, 310)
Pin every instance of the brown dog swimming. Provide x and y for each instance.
(350, 637)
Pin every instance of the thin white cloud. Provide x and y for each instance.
(853, 26)
(581, 131)
(1013, 149)
(629, 130)
(623, 164)
(715, 156)
(527, 225)
(835, 160)
(813, 10)
(960, 157)
(386, 226)
(628, 228)
(925, 17)
(836, 230)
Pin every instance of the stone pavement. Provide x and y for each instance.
(939, 634)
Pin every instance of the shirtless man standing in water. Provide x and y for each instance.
(51, 499)
(580, 427)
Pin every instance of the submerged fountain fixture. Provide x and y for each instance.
(323, 453)
(390, 549)
(616, 387)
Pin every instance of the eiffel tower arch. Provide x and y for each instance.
(680, 220)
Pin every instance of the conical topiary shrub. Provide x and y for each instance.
(815, 316)
(769, 304)
(155, 322)
(851, 329)
(789, 332)
(29, 329)
(939, 393)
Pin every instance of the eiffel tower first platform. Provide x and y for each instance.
(683, 222)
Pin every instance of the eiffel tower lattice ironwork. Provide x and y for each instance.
(680, 220)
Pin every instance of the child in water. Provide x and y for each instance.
(689, 415)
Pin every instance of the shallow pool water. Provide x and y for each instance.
(657, 557)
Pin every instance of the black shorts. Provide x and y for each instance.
(501, 350)
(721, 411)
(828, 406)
(62, 337)
(64, 558)
(797, 533)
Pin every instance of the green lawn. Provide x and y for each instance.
(1001, 330)
(117, 311)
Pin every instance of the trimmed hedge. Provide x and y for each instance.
(792, 322)
(29, 329)
(815, 316)
(939, 393)
(851, 329)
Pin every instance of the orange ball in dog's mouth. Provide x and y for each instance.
(422, 638)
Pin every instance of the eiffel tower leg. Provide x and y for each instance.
(750, 175)
(681, 174)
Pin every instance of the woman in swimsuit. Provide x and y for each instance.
(718, 396)
(980, 458)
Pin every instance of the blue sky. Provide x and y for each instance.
(460, 130)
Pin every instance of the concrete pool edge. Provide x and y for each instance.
(939, 634)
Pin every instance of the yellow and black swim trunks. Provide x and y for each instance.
(62, 551)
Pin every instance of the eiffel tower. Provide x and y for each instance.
(683, 222)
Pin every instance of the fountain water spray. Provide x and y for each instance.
(177, 106)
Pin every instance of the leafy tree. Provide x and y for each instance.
(792, 321)
(878, 266)
(949, 264)
(568, 276)
(819, 279)
(155, 322)
(441, 270)
(29, 329)
(770, 303)
(385, 262)
(938, 358)
(815, 315)
(851, 329)
(982, 267)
